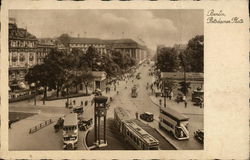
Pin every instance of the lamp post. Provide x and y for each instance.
(35, 85)
(164, 93)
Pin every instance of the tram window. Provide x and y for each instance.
(153, 148)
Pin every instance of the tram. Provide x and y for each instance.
(131, 132)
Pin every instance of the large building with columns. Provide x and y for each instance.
(84, 43)
(130, 47)
(126, 46)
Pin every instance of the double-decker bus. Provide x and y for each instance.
(174, 122)
(70, 131)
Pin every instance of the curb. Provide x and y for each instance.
(85, 138)
(157, 130)
(177, 111)
(173, 145)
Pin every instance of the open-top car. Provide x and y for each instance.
(199, 135)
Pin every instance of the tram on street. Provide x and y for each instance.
(134, 92)
(70, 131)
(133, 133)
(174, 122)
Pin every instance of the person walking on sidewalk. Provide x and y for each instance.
(185, 100)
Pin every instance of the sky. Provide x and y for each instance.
(149, 27)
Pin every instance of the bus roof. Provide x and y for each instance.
(70, 119)
(174, 113)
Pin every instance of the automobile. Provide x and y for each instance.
(147, 116)
(134, 92)
(78, 110)
(199, 135)
(179, 98)
(198, 93)
(138, 76)
(59, 124)
(197, 101)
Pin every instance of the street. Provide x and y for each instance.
(142, 103)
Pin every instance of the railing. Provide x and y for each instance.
(40, 126)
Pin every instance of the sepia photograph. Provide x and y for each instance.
(113, 79)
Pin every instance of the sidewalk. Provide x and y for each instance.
(180, 107)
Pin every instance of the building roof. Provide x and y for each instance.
(19, 33)
(195, 76)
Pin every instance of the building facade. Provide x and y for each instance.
(130, 47)
(84, 43)
(22, 55)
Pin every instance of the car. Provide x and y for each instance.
(134, 92)
(199, 135)
(147, 116)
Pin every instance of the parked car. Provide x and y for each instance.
(134, 92)
(147, 116)
(199, 135)
(197, 101)
(78, 110)
(179, 98)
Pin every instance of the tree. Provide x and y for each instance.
(39, 75)
(55, 62)
(167, 60)
(184, 86)
(91, 57)
(87, 78)
(193, 57)
(64, 39)
(123, 60)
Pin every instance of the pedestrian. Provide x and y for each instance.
(10, 123)
(201, 104)
(74, 102)
(185, 102)
(160, 101)
(136, 115)
(81, 103)
(171, 94)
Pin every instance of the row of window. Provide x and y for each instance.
(86, 45)
(135, 139)
(167, 123)
(19, 43)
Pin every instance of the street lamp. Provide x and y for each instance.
(164, 93)
(35, 85)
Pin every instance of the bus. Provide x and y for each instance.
(70, 131)
(174, 122)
